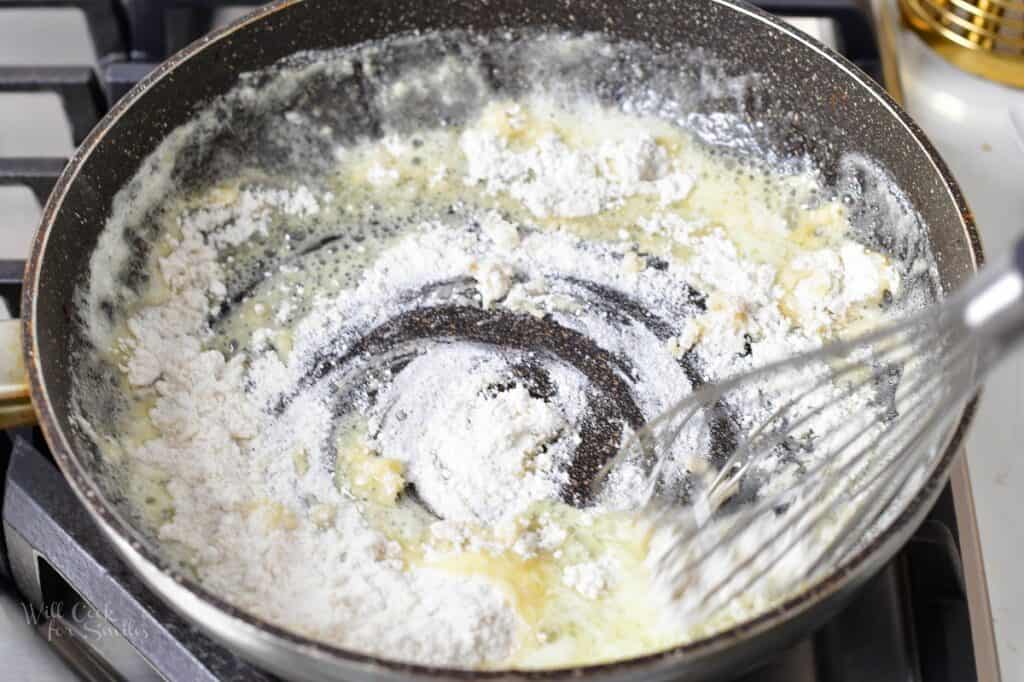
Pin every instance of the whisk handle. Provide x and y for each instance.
(991, 306)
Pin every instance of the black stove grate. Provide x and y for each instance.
(909, 623)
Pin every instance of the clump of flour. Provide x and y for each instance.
(554, 179)
(485, 449)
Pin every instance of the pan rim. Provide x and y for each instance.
(137, 549)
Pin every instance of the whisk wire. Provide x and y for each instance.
(721, 591)
(871, 413)
(744, 458)
(952, 400)
(814, 488)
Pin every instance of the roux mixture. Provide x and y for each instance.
(366, 404)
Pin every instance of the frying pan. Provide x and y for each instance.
(818, 104)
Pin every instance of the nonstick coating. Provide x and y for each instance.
(818, 104)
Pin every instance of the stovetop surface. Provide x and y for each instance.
(908, 624)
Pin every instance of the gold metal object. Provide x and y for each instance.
(984, 37)
(15, 405)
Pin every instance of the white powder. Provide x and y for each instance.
(544, 536)
(837, 281)
(350, 586)
(382, 177)
(503, 233)
(476, 454)
(165, 335)
(591, 579)
(248, 459)
(493, 281)
(236, 221)
(553, 179)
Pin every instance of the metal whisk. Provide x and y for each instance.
(850, 429)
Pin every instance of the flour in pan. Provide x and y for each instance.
(552, 179)
(359, 404)
(350, 585)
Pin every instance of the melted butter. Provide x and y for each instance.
(371, 476)
(527, 582)
(272, 514)
(560, 626)
(770, 218)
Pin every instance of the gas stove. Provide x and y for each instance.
(910, 622)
